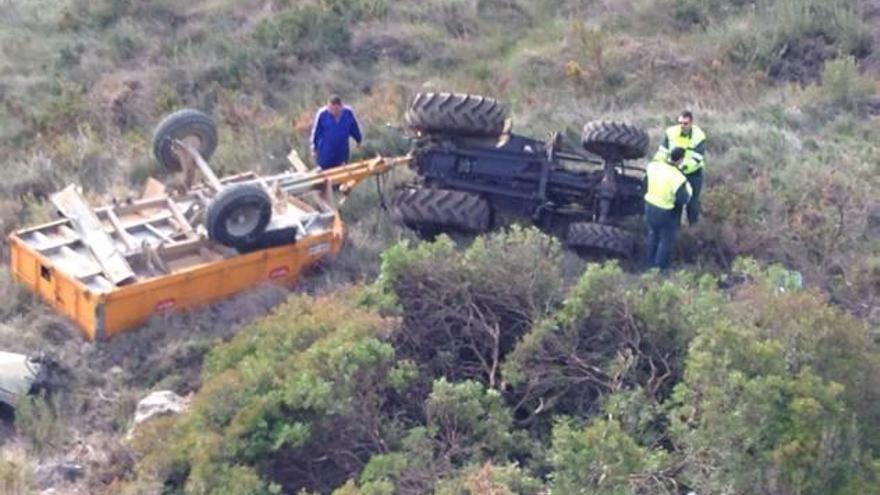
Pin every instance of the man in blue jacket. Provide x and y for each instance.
(334, 124)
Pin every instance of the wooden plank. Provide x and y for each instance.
(129, 224)
(127, 239)
(158, 233)
(54, 244)
(181, 220)
(140, 205)
(153, 189)
(68, 236)
(69, 232)
(297, 163)
(76, 264)
(91, 230)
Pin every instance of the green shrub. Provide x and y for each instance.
(792, 38)
(469, 422)
(307, 32)
(305, 383)
(775, 393)
(491, 479)
(603, 459)
(465, 425)
(844, 85)
(464, 310)
(614, 331)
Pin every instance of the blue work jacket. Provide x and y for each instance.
(330, 136)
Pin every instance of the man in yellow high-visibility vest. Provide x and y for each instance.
(692, 139)
(667, 191)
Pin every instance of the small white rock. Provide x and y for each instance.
(159, 403)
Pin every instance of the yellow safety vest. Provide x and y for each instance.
(663, 182)
(693, 161)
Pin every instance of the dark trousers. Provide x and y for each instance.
(693, 207)
(662, 228)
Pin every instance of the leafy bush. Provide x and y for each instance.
(771, 393)
(302, 385)
(465, 424)
(469, 420)
(463, 311)
(487, 479)
(615, 331)
(602, 459)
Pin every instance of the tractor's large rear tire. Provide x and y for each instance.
(432, 211)
(590, 238)
(615, 140)
(459, 114)
(188, 125)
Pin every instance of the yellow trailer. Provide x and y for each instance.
(114, 267)
(199, 274)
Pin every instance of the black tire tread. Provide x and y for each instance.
(215, 216)
(456, 113)
(178, 125)
(441, 209)
(612, 140)
(590, 236)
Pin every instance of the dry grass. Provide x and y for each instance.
(16, 470)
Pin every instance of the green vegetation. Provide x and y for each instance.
(310, 381)
(631, 384)
(500, 365)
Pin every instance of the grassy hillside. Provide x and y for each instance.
(787, 91)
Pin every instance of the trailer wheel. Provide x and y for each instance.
(191, 126)
(588, 238)
(432, 211)
(238, 215)
(460, 114)
(615, 140)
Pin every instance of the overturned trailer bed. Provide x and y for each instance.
(114, 267)
(175, 269)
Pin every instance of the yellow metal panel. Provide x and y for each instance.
(137, 303)
(66, 295)
(128, 306)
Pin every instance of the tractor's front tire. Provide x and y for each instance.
(615, 140)
(432, 211)
(589, 238)
(459, 114)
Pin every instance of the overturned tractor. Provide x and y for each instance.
(473, 172)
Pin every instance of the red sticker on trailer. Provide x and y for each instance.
(165, 304)
(279, 272)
